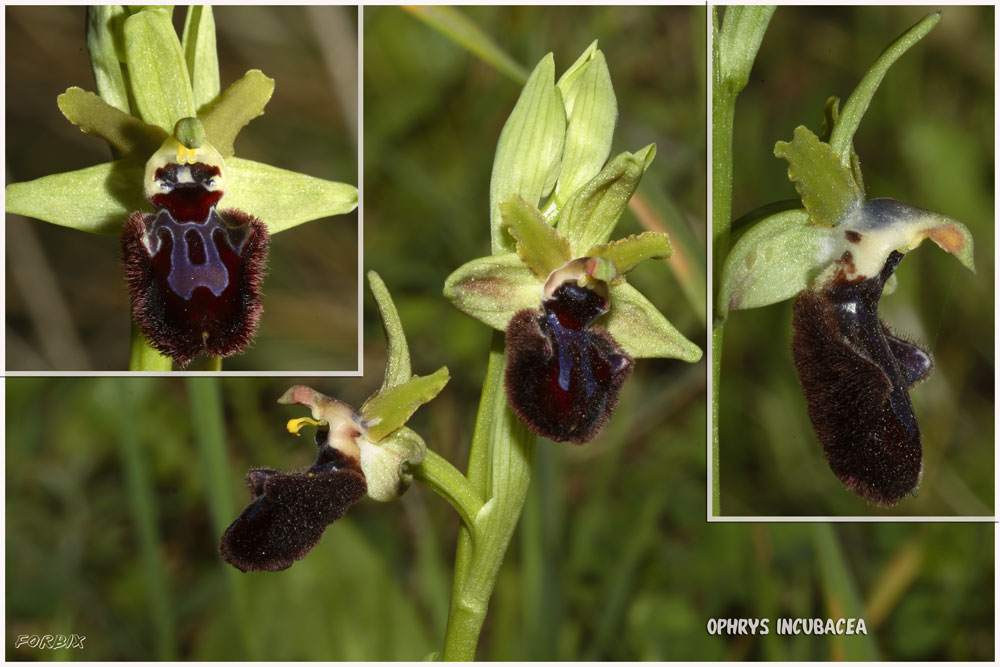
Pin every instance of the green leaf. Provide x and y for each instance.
(391, 409)
(281, 198)
(774, 260)
(105, 43)
(538, 245)
(591, 214)
(96, 199)
(850, 116)
(239, 104)
(491, 289)
(530, 147)
(455, 25)
(198, 44)
(629, 252)
(160, 83)
(643, 330)
(132, 138)
(397, 365)
(592, 111)
(824, 183)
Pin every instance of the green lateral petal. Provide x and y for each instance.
(591, 214)
(491, 289)
(128, 135)
(105, 25)
(826, 186)
(198, 45)
(643, 330)
(538, 245)
(397, 365)
(850, 116)
(592, 111)
(391, 409)
(629, 252)
(282, 198)
(530, 148)
(96, 199)
(774, 260)
(239, 104)
(160, 83)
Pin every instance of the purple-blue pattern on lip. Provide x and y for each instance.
(563, 375)
(194, 272)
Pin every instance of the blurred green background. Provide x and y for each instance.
(117, 491)
(927, 139)
(67, 304)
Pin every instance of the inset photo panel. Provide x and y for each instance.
(853, 267)
(182, 189)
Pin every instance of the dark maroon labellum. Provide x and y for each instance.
(194, 272)
(563, 376)
(290, 511)
(856, 376)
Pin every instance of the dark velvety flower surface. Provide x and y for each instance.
(194, 272)
(290, 511)
(563, 376)
(856, 376)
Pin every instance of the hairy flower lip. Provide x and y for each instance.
(856, 375)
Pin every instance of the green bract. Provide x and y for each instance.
(556, 142)
(387, 451)
(137, 57)
(787, 252)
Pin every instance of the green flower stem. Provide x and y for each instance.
(444, 479)
(142, 357)
(733, 52)
(500, 464)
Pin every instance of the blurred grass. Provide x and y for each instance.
(310, 125)
(927, 139)
(613, 559)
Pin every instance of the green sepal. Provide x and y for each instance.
(283, 199)
(239, 104)
(642, 330)
(774, 260)
(132, 138)
(388, 465)
(159, 77)
(397, 365)
(388, 410)
(591, 112)
(107, 52)
(491, 289)
(538, 245)
(591, 214)
(629, 252)
(850, 116)
(826, 186)
(530, 148)
(96, 199)
(198, 45)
